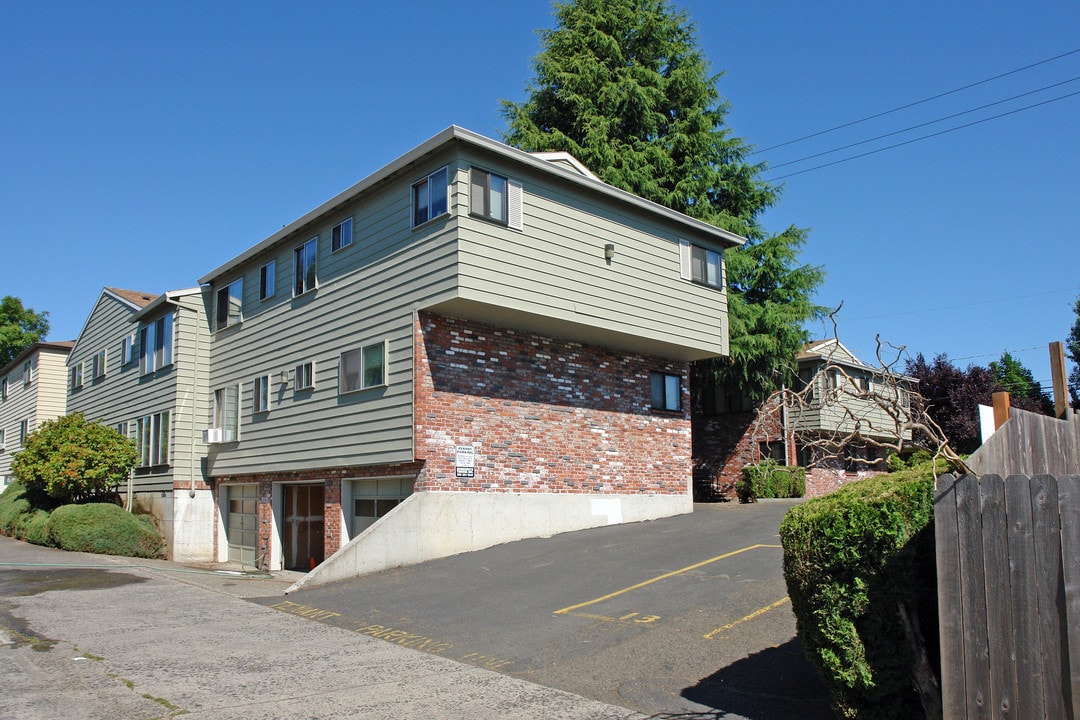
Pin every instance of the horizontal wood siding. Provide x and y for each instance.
(123, 395)
(556, 266)
(43, 399)
(366, 292)
(191, 410)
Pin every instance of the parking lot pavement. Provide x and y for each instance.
(685, 615)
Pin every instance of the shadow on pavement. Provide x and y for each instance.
(774, 684)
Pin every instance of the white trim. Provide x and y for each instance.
(515, 203)
(684, 260)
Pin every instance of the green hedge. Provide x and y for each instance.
(769, 479)
(852, 560)
(95, 527)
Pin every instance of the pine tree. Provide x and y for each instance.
(1011, 376)
(623, 86)
(1072, 345)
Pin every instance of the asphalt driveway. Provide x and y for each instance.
(685, 616)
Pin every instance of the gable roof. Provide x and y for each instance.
(133, 300)
(167, 297)
(63, 346)
(564, 169)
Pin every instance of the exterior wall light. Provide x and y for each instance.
(609, 252)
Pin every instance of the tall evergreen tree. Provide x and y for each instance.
(1011, 376)
(19, 328)
(623, 86)
(1072, 345)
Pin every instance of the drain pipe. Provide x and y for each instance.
(784, 424)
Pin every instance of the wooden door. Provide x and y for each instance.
(304, 524)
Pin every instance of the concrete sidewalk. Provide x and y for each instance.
(91, 636)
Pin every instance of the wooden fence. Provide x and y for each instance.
(1030, 444)
(1008, 565)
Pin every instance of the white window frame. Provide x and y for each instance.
(665, 391)
(156, 344)
(480, 196)
(350, 382)
(97, 365)
(129, 348)
(76, 376)
(305, 267)
(427, 206)
(267, 280)
(701, 265)
(260, 395)
(227, 412)
(341, 235)
(122, 427)
(229, 305)
(304, 376)
(152, 433)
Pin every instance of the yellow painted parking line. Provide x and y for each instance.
(658, 578)
(761, 611)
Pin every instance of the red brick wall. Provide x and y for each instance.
(545, 415)
(723, 444)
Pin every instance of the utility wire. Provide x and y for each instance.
(965, 305)
(917, 102)
(925, 124)
(923, 137)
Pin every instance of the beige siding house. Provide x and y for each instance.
(32, 390)
(140, 365)
(469, 346)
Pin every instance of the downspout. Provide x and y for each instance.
(130, 490)
(194, 388)
(784, 425)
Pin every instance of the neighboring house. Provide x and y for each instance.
(31, 392)
(837, 391)
(490, 344)
(140, 365)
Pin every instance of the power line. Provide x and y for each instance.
(924, 137)
(965, 305)
(917, 102)
(925, 124)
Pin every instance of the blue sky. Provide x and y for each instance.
(145, 143)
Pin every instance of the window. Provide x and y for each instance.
(363, 368)
(3, 389)
(304, 377)
(700, 264)
(429, 197)
(28, 372)
(2, 445)
(261, 398)
(98, 365)
(373, 499)
(304, 275)
(122, 428)
(341, 235)
(152, 439)
(487, 195)
(155, 344)
(666, 391)
(266, 280)
(226, 413)
(128, 348)
(773, 449)
(24, 430)
(230, 303)
(76, 376)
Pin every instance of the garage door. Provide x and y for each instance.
(241, 523)
(372, 499)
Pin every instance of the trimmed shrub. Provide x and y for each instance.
(106, 529)
(13, 504)
(768, 479)
(857, 563)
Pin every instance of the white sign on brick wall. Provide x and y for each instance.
(464, 461)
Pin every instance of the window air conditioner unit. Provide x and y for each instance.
(213, 435)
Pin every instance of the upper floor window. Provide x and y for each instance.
(266, 280)
(97, 366)
(2, 446)
(76, 376)
(28, 372)
(155, 344)
(487, 195)
(666, 391)
(363, 368)
(24, 430)
(230, 303)
(304, 275)
(304, 376)
(226, 414)
(429, 197)
(341, 235)
(701, 264)
(260, 401)
(129, 348)
(3, 389)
